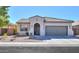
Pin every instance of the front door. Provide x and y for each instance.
(36, 29)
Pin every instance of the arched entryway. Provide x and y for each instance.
(36, 29)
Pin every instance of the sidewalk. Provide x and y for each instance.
(45, 43)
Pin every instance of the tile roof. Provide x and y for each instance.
(75, 23)
(48, 19)
(56, 19)
(23, 20)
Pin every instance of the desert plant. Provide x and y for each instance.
(5, 35)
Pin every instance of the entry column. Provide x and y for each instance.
(70, 31)
(42, 29)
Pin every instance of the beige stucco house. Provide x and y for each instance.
(76, 28)
(44, 26)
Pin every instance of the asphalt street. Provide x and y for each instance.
(39, 49)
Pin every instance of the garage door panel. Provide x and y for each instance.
(56, 30)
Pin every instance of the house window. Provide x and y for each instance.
(26, 29)
(23, 29)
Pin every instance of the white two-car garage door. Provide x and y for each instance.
(56, 30)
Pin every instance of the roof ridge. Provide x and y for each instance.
(58, 18)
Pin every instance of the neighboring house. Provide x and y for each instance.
(44, 26)
(8, 29)
(11, 28)
(76, 27)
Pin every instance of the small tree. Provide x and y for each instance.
(4, 16)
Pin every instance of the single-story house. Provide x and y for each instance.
(44, 26)
(76, 27)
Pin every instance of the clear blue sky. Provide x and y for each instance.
(63, 12)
